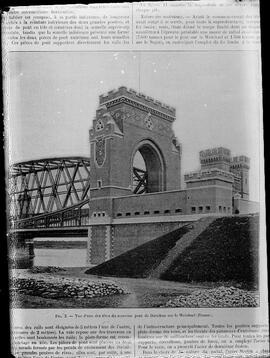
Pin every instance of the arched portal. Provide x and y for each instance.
(147, 169)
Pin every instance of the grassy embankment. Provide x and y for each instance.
(226, 251)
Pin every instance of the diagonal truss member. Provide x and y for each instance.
(48, 185)
(140, 182)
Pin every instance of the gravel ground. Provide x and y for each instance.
(142, 292)
(217, 297)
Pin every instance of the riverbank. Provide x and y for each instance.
(140, 293)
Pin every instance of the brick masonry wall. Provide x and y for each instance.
(212, 197)
(165, 202)
(129, 236)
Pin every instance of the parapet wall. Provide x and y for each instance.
(139, 97)
(216, 157)
(161, 203)
(221, 154)
(215, 152)
(240, 162)
(209, 174)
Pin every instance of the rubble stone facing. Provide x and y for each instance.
(217, 297)
(63, 287)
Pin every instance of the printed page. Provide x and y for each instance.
(135, 170)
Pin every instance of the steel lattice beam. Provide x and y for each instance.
(46, 186)
(140, 181)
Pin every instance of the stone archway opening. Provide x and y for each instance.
(148, 170)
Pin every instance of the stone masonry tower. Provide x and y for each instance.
(240, 168)
(128, 124)
(219, 158)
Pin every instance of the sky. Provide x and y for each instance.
(53, 98)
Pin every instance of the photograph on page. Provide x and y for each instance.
(135, 179)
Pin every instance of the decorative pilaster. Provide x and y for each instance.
(108, 240)
(89, 246)
(112, 241)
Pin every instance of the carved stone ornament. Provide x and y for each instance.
(148, 121)
(100, 151)
(99, 125)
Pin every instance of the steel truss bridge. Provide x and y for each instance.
(54, 193)
(49, 193)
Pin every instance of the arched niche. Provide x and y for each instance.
(148, 168)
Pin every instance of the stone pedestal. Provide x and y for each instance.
(99, 247)
(20, 251)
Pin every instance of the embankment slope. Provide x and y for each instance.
(215, 249)
(139, 262)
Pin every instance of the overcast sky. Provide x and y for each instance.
(54, 96)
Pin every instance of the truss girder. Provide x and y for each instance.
(46, 186)
(75, 216)
(140, 181)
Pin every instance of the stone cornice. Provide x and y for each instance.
(145, 107)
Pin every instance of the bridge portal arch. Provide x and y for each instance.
(127, 122)
(133, 150)
(148, 168)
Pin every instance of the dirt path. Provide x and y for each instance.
(151, 293)
(143, 292)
